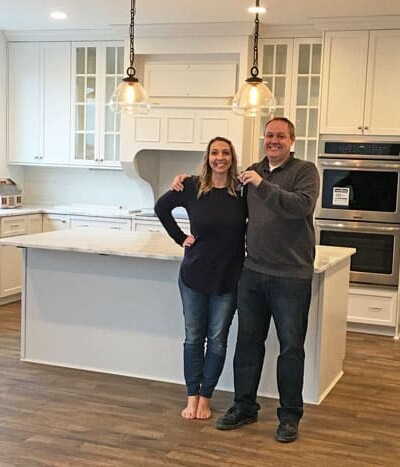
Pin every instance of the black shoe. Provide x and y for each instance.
(234, 418)
(287, 432)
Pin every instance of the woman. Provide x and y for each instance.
(214, 253)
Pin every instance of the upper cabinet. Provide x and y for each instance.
(39, 81)
(97, 70)
(360, 89)
(58, 111)
(292, 69)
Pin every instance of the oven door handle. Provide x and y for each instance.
(358, 164)
(341, 226)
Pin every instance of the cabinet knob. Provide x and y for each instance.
(366, 128)
(359, 128)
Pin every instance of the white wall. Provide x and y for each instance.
(3, 74)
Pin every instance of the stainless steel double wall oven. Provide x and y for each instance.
(359, 205)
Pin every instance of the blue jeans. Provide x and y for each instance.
(207, 319)
(287, 300)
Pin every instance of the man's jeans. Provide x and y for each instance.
(287, 300)
(207, 318)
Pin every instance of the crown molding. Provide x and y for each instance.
(120, 31)
(357, 23)
(113, 34)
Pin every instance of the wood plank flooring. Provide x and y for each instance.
(61, 417)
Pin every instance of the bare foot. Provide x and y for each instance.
(203, 409)
(189, 412)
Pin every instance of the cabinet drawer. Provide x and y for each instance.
(157, 227)
(100, 223)
(372, 307)
(13, 225)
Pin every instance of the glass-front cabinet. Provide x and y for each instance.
(292, 70)
(98, 69)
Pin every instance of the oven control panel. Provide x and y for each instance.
(361, 150)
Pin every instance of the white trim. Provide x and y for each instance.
(357, 23)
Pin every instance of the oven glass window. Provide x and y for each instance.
(361, 190)
(374, 251)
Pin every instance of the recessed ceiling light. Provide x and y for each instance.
(58, 15)
(256, 9)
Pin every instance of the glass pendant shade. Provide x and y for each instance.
(130, 97)
(254, 99)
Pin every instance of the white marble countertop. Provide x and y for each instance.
(73, 209)
(103, 242)
(90, 210)
(139, 244)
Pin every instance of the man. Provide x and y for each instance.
(276, 279)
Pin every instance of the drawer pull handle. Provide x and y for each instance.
(374, 308)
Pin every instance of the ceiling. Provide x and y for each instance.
(19, 15)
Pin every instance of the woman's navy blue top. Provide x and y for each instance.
(218, 222)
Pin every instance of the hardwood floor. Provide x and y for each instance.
(61, 417)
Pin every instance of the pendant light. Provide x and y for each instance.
(130, 96)
(254, 98)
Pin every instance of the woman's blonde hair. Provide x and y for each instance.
(205, 172)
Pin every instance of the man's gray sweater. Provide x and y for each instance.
(280, 233)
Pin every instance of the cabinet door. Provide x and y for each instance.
(56, 66)
(343, 82)
(55, 222)
(10, 270)
(34, 223)
(24, 88)
(304, 108)
(39, 106)
(292, 69)
(382, 114)
(97, 69)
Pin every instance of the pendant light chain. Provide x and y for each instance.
(131, 70)
(254, 68)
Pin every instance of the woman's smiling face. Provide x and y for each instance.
(220, 157)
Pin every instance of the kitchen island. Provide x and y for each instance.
(108, 301)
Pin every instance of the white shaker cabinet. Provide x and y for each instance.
(360, 88)
(97, 69)
(39, 82)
